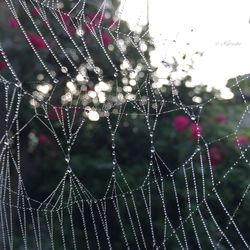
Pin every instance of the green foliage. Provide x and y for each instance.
(91, 157)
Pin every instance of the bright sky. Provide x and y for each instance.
(221, 30)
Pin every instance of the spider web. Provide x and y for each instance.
(153, 214)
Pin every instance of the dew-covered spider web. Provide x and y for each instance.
(97, 152)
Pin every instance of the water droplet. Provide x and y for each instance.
(18, 84)
(69, 170)
(67, 159)
(100, 78)
(55, 81)
(152, 69)
(106, 113)
(192, 117)
(175, 92)
(152, 149)
(115, 74)
(80, 31)
(165, 63)
(7, 142)
(64, 69)
(151, 134)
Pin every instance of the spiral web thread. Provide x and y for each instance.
(65, 207)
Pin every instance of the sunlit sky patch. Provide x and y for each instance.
(218, 29)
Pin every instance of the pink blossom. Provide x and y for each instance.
(216, 155)
(2, 66)
(37, 41)
(94, 18)
(181, 122)
(64, 18)
(111, 21)
(35, 11)
(45, 23)
(43, 139)
(87, 28)
(56, 113)
(13, 23)
(107, 39)
(221, 118)
(71, 29)
(77, 110)
(195, 131)
(241, 140)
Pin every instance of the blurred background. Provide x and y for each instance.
(200, 72)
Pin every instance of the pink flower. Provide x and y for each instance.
(107, 39)
(241, 140)
(56, 113)
(2, 66)
(216, 155)
(195, 131)
(181, 122)
(37, 41)
(35, 11)
(71, 29)
(45, 23)
(86, 29)
(94, 18)
(111, 21)
(43, 139)
(76, 109)
(13, 23)
(64, 18)
(221, 118)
